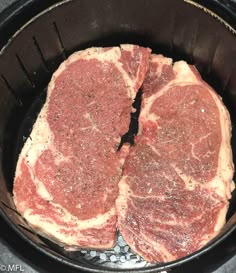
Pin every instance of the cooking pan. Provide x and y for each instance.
(39, 35)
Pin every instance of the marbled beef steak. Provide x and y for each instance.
(168, 194)
(67, 175)
(177, 180)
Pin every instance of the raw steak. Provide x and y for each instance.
(67, 175)
(178, 178)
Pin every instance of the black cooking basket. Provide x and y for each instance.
(34, 43)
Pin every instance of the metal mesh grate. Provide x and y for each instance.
(120, 256)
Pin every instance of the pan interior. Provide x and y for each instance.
(173, 28)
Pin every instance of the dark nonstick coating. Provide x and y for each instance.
(172, 27)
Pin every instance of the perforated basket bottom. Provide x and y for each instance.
(120, 256)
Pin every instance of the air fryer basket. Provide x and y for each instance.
(178, 29)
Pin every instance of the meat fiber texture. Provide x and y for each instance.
(177, 180)
(67, 175)
(168, 195)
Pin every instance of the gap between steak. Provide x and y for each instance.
(134, 122)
